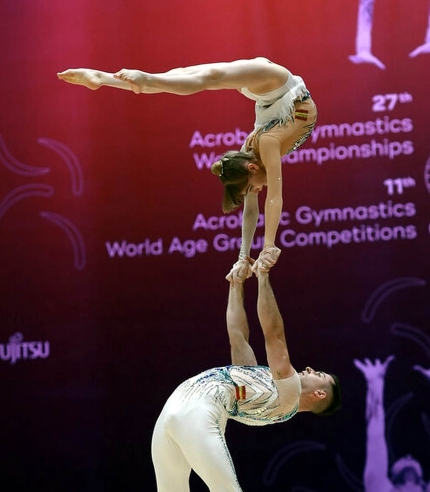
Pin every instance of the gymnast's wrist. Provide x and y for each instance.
(243, 255)
(268, 246)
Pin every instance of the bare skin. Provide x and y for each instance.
(246, 266)
(241, 351)
(257, 74)
(315, 384)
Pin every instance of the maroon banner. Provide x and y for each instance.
(114, 247)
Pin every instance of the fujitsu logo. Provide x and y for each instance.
(17, 349)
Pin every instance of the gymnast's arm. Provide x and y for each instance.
(270, 154)
(241, 270)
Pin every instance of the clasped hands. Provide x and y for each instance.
(246, 266)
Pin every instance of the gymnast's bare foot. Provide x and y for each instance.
(135, 78)
(82, 76)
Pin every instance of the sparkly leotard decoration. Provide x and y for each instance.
(287, 114)
(261, 405)
(190, 431)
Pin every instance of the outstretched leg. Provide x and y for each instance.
(92, 79)
(258, 74)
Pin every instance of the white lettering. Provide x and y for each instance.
(334, 152)
(17, 349)
(229, 221)
(364, 233)
(228, 139)
(123, 248)
(223, 243)
(203, 161)
(380, 126)
(384, 210)
(188, 248)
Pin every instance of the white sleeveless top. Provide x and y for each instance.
(249, 394)
(278, 104)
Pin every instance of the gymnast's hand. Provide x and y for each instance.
(266, 259)
(241, 270)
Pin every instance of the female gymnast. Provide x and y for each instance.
(285, 117)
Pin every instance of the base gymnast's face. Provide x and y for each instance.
(311, 378)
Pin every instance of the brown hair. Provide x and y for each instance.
(233, 174)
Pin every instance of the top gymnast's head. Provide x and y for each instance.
(240, 173)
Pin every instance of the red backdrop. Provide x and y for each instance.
(114, 247)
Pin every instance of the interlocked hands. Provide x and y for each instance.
(245, 267)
